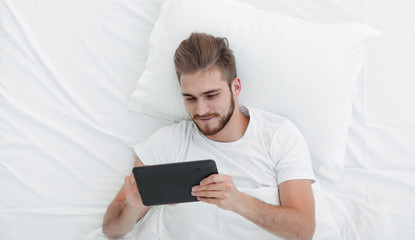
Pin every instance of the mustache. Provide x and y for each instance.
(205, 116)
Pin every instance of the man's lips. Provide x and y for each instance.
(206, 119)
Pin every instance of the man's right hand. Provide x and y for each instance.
(132, 194)
(126, 209)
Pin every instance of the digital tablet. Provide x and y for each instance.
(173, 182)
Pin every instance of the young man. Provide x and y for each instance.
(264, 186)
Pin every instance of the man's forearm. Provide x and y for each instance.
(121, 218)
(288, 223)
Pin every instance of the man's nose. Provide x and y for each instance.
(202, 108)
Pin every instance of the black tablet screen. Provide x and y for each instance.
(173, 182)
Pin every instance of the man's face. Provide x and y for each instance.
(208, 100)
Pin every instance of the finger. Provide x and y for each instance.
(209, 200)
(214, 178)
(210, 179)
(212, 187)
(211, 194)
(132, 180)
(129, 185)
(131, 192)
(127, 182)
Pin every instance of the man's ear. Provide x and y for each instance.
(236, 86)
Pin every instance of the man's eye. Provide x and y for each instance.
(190, 99)
(212, 96)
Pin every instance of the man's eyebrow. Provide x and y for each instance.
(211, 91)
(204, 93)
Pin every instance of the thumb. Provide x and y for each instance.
(127, 182)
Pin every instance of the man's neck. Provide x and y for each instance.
(234, 130)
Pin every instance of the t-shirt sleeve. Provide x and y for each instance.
(291, 153)
(161, 147)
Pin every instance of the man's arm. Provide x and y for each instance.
(294, 219)
(125, 210)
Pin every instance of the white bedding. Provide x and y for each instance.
(68, 69)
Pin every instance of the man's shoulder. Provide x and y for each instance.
(181, 127)
(276, 128)
(268, 119)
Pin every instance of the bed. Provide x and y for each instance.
(68, 74)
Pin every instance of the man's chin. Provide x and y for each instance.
(207, 131)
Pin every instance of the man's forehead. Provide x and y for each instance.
(200, 83)
(210, 73)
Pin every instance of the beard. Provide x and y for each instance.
(207, 131)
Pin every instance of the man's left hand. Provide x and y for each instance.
(217, 189)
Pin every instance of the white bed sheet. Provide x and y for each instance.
(380, 154)
(67, 70)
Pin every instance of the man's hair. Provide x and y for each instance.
(202, 51)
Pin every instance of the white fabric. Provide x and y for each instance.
(67, 71)
(327, 226)
(271, 151)
(66, 135)
(270, 50)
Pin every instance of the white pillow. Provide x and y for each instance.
(305, 71)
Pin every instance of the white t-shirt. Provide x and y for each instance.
(271, 151)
